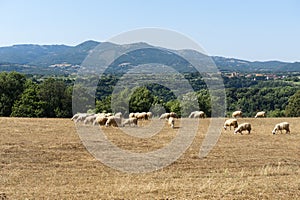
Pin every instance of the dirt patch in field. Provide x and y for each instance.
(45, 159)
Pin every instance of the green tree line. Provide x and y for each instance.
(24, 96)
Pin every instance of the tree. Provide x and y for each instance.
(141, 100)
(104, 105)
(293, 107)
(11, 87)
(29, 104)
(120, 101)
(66, 104)
(174, 106)
(82, 100)
(57, 98)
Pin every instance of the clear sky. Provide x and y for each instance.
(252, 30)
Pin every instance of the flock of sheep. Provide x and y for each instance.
(109, 119)
(247, 126)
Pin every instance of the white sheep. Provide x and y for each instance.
(75, 116)
(260, 114)
(197, 114)
(131, 115)
(100, 119)
(149, 115)
(164, 116)
(82, 117)
(282, 126)
(90, 119)
(243, 127)
(168, 115)
(171, 122)
(231, 122)
(142, 116)
(130, 121)
(113, 121)
(236, 114)
(174, 115)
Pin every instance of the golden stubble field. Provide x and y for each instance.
(45, 159)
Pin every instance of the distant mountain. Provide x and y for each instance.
(63, 59)
(46, 55)
(232, 64)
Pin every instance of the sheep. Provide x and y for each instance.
(243, 127)
(82, 117)
(197, 114)
(171, 122)
(230, 122)
(75, 116)
(131, 115)
(142, 115)
(100, 119)
(90, 119)
(236, 114)
(260, 114)
(168, 115)
(282, 126)
(113, 121)
(164, 116)
(130, 122)
(149, 115)
(174, 115)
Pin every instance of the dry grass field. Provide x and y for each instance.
(45, 159)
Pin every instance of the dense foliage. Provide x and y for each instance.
(28, 96)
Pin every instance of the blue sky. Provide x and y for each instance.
(255, 30)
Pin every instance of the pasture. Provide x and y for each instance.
(45, 159)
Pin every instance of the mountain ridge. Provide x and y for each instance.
(33, 58)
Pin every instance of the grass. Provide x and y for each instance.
(45, 159)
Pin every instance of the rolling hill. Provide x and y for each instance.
(63, 59)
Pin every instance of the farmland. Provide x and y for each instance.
(43, 158)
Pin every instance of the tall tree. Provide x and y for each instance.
(53, 92)
(11, 87)
(293, 107)
(141, 100)
(29, 104)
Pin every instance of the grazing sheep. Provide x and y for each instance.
(75, 116)
(168, 115)
(165, 116)
(130, 122)
(131, 115)
(282, 126)
(100, 120)
(113, 121)
(90, 119)
(260, 114)
(243, 127)
(230, 122)
(149, 115)
(236, 114)
(174, 115)
(197, 114)
(171, 122)
(82, 117)
(142, 116)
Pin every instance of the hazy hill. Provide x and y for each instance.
(30, 58)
